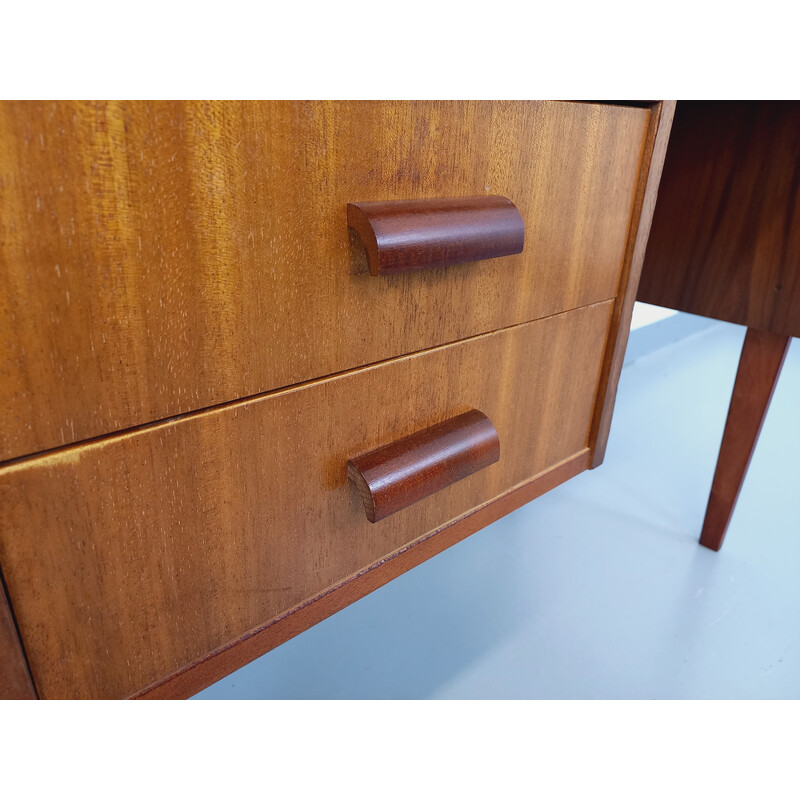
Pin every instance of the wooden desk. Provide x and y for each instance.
(238, 395)
(725, 243)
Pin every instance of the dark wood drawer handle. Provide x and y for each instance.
(398, 474)
(406, 235)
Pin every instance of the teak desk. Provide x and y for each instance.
(257, 359)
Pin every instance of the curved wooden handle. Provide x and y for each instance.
(398, 474)
(406, 235)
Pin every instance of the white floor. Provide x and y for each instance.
(598, 589)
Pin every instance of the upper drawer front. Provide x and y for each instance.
(159, 257)
(128, 558)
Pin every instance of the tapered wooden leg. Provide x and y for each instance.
(759, 366)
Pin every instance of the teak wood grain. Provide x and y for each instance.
(405, 471)
(725, 240)
(129, 558)
(401, 236)
(655, 147)
(157, 258)
(15, 678)
(221, 662)
(760, 365)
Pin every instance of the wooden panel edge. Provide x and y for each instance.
(16, 682)
(242, 651)
(654, 152)
(68, 449)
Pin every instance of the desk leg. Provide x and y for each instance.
(759, 366)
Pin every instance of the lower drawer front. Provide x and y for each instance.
(127, 558)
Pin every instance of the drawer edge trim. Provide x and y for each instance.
(74, 450)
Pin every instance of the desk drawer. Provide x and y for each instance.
(130, 557)
(159, 258)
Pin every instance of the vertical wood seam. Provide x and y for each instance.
(652, 162)
(15, 658)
